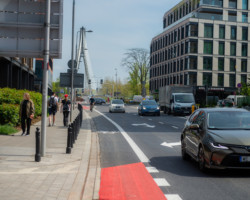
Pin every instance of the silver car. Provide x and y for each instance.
(117, 105)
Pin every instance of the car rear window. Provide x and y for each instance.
(229, 120)
(153, 103)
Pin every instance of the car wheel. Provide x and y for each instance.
(165, 110)
(201, 160)
(110, 111)
(184, 154)
(169, 111)
(159, 114)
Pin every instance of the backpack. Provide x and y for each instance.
(52, 102)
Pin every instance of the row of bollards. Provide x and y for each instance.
(73, 130)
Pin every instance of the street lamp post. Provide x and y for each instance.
(72, 60)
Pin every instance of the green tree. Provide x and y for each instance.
(137, 62)
(56, 87)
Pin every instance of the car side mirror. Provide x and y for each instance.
(194, 126)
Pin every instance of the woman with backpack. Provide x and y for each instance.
(65, 107)
(53, 105)
(26, 113)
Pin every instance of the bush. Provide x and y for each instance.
(10, 100)
(7, 130)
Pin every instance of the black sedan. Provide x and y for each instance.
(217, 138)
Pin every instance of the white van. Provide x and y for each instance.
(232, 97)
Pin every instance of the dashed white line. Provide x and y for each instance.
(161, 182)
(173, 197)
(150, 119)
(152, 170)
(142, 157)
(161, 123)
(175, 127)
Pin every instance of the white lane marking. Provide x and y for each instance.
(161, 182)
(142, 157)
(161, 123)
(134, 114)
(173, 197)
(171, 145)
(144, 124)
(175, 127)
(108, 132)
(152, 170)
(150, 119)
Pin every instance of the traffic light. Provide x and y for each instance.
(101, 81)
(89, 81)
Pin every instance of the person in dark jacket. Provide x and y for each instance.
(65, 107)
(26, 113)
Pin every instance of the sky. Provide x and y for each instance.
(118, 25)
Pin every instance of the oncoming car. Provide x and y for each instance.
(148, 107)
(117, 105)
(217, 138)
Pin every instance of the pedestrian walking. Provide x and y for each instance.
(26, 113)
(92, 103)
(65, 107)
(108, 100)
(53, 106)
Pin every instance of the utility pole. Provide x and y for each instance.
(116, 81)
(72, 61)
(45, 77)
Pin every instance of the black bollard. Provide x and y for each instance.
(68, 149)
(71, 137)
(37, 155)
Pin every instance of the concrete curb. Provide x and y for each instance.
(87, 182)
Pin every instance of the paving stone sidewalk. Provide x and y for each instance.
(59, 175)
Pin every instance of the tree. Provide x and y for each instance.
(56, 87)
(137, 62)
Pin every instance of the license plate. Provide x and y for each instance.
(117, 107)
(151, 111)
(244, 158)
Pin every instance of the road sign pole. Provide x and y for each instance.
(45, 77)
(72, 61)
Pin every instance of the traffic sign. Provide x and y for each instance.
(65, 80)
(22, 28)
(69, 64)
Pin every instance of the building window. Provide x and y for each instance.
(222, 32)
(244, 17)
(243, 49)
(244, 79)
(244, 33)
(233, 49)
(187, 30)
(233, 33)
(193, 62)
(182, 48)
(208, 47)
(181, 65)
(207, 63)
(194, 30)
(182, 32)
(232, 80)
(233, 4)
(220, 64)
(207, 79)
(220, 80)
(208, 31)
(193, 78)
(186, 63)
(232, 65)
(221, 48)
(244, 65)
(186, 47)
(244, 4)
(193, 46)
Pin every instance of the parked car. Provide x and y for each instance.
(117, 105)
(217, 138)
(225, 103)
(100, 101)
(149, 107)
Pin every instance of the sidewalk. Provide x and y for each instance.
(61, 176)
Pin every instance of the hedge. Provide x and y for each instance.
(10, 100)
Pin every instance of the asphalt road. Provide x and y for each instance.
(150, 133)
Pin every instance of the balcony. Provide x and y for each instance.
(216, 3)
(209, 16)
